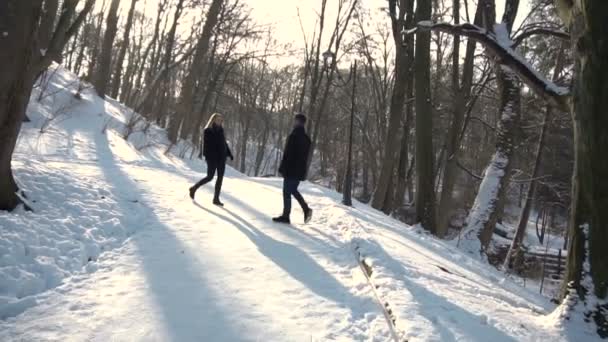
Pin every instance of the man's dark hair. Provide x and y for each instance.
(301, 118)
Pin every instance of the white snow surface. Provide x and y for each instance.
(116, 251)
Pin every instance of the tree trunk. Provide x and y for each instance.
(403, 161)
(18, 55)
(525, 213)
(425, 194)
(259, 158)
(461, 93)
(103, 71)
(94, 50)
(196, 72)
(380, 198)
(587, 275)
(484, 214)
(65, 28)
(348, 178)
(123, 50)
(244, 140)
(154, 82)
(47, 22)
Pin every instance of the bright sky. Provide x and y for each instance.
(283, 15)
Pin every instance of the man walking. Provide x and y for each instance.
(293, 169)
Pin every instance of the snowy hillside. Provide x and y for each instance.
(116, 251)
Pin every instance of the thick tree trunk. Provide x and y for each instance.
(425, 191)
(66, 27)
(102, 76)
(123, 51)
(18, 56)
(486, 208)
(484, 214)
(47, 22)
(587, 271)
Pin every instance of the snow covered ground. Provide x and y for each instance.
(116, 251)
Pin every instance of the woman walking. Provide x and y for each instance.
(215, 150)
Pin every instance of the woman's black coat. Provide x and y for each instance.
(215, 147)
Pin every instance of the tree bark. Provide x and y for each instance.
(482, 218)
(425, 193)
(65, 28)
(103, 71)
(348, 178)
(123, 51)
(18, 54)
(47, 21)
(587, 270)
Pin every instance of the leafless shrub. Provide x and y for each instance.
(60, 114)
(131, 125)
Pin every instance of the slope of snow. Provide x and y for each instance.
(115, 250)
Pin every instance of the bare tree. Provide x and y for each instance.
(197, 70)
(102, 76)
(461, 92)
(382, 198)
(425, 193)
(513, 253)
(22, 58)
(122, 51)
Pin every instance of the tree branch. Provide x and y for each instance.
(463, 168)
(544, 31)
(557, 96)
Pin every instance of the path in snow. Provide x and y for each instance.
(196, 272)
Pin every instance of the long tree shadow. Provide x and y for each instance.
(443, 254)
(188, 305)
(448, 318)
(297, 263)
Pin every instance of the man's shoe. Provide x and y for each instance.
(281, 219)
(192, 191)
(218, 203)
(307, 215)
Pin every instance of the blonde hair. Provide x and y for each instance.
(212, 119)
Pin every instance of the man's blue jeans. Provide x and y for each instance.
(290, 188)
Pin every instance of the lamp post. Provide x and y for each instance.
(348, 178)
(328, 58)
